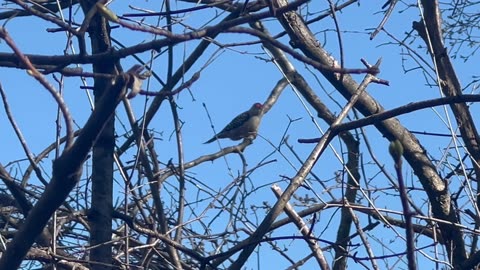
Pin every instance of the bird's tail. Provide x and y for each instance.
(211, 140)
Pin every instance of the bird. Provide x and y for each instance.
(242, 126)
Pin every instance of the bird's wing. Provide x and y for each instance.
(238, 121)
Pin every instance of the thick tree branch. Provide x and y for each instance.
(67, 170)
(434, 185)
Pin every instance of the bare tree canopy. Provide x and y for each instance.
(221, 134)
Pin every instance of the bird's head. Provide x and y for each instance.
(256, 108)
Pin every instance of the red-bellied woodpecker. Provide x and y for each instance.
(242, 126)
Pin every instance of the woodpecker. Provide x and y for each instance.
(242, 126)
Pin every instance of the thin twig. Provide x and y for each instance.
(41, 79)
